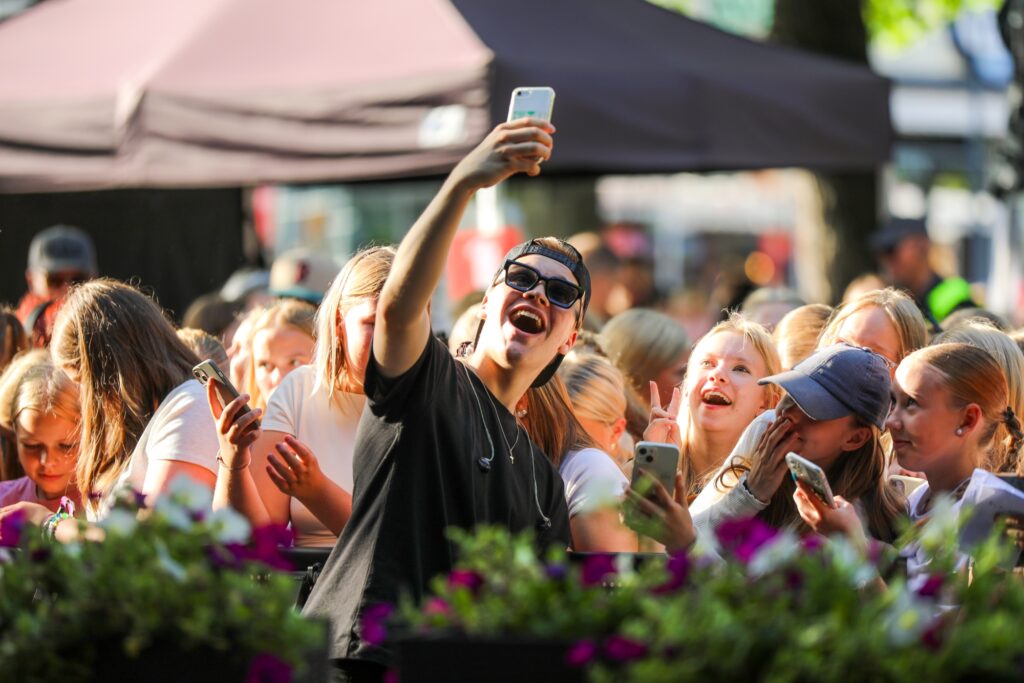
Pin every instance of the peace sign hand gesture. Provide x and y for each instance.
(663, 427)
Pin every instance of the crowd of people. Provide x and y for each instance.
(369, 434)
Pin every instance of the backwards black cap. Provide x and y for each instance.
(572, 260)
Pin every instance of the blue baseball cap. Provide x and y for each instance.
(838, 381)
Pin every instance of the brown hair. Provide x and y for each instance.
(796, 335)
(362, 277)
(973, 375)
(551, 423)
(124, 352)
(293, 313)
(13, 339)
(641, 343)
(204, 345)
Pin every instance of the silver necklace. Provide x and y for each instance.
(485, 461)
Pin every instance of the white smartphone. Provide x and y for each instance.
(806, 471)
(660, 460)
(538, 102)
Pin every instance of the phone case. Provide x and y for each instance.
(225, 389)
(538, 102)
(660, 460)
(806, 471)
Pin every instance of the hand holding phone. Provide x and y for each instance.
(226, 415)
(803, 470)
(532, 102)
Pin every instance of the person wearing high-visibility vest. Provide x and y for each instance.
(902, 247)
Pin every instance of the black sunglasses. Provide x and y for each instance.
(523, 278)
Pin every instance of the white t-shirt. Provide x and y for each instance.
(592, 479)
(329, 429)
(181, 429)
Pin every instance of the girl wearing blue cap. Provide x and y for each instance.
(832, 412)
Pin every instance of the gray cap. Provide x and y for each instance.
(62, 247)
(838, 381)
(244, 282)
(895, 231)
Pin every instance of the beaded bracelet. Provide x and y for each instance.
(66, 510)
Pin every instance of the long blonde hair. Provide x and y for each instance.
(641, 343)
(1004, 351)
(126, 357)
(288, 313)
(902, 311)
(363, 277)
(758, 337)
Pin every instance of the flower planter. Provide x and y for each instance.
(437, 659)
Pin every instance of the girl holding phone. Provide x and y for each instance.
(297, 467)
(951, 403)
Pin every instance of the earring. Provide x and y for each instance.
(959, 431)
(521, 413)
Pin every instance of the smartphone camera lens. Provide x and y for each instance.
(649, 458)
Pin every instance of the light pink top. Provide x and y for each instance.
(24, 490)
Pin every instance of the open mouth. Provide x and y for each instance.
(715, 398)
(526, 320)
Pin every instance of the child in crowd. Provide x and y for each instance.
(39, 410)
(297, 467)
(721, 397)
(144, 417)
(594, 483)
(1007, 354)
(951, 404)
(796, 335)
(646, 346)
(239, 347)
(281, 340)
(204, 345)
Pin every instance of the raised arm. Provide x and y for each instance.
(403, 325)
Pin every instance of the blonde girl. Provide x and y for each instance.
(594, 483)
(271, 474)
(39, 410)
(281, 341)
(796, 335)
(720, 397)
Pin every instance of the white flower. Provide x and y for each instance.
(176, 515)
(907, 619)
(849, 561)
(119, 522)
(188, 492)
(168, 563)
(775, 554)
(229, 526)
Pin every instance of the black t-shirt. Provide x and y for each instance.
(416, 474)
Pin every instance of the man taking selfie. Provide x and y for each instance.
(439, 444)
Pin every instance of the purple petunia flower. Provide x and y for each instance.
(266, 543)
(391, 676)
(266, 668)
(11, 528)
(812, 543)
(596, 568)
(581, 653)
(932, 586)
(678, 567)
(932, 636)
(556, 572)
(466, 578)
(743, 538)
(374, 623)
(437, 606)
(622, 649)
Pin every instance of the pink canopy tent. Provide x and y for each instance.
(100, 94)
